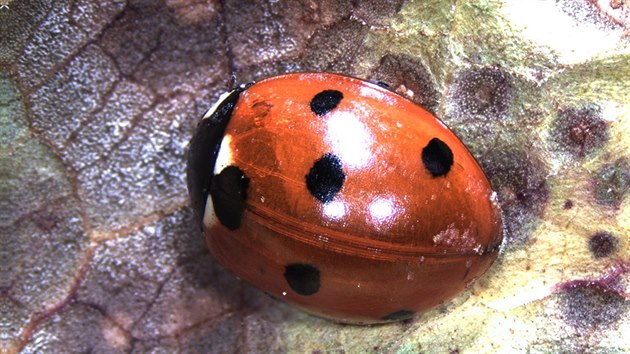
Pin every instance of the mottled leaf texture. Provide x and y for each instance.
(100, 252)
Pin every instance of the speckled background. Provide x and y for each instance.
(98, 249)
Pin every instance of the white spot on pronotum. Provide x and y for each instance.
(284, 293)
(225, 157)
(217, 104)
(209, 217)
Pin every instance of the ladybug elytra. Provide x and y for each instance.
(341, 197)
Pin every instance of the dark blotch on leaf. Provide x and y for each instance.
(612, 182)
(486, 91)
(602, 244)
(377, 12)
(579, 130)
(336, 48)
(404, 73)
(588, 305)
(520, 178)
(588, 12)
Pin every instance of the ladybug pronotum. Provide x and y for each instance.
(341, 197)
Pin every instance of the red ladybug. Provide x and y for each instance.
(341, 197)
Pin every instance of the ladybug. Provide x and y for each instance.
(341, 197)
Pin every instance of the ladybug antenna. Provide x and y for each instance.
(384, 85)
(231, 84)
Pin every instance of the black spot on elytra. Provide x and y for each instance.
(304, 279)
(204, 148)
(437, 158)
(590, 305)
(602, 244)
(325, 178)
(229, 193)
(325, 101)
(399, 315)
